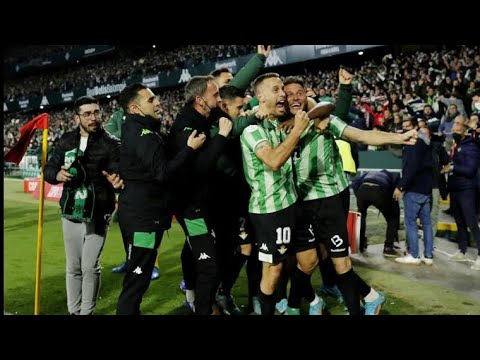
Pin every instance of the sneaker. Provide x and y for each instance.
(390, 252)
(476, 264)
(281, 306)
(317, 309)
(458, 256)
(292, 311)
(427, 261)
(332, 291)
(257, 309)
(408, 260)
(155, 273)
(182, 286)
(374, 307)
(190, 306)
(120, 268)
(227, 305)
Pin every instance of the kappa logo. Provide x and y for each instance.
(145, 132)
(203, 256)
(264, 247)
(337, 241)
(273, 59)
(185, 77)
(138, 270)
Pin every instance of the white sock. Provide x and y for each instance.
(190, 294)
(315, 301)
(372, 295)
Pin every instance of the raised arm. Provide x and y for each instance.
(377, 138)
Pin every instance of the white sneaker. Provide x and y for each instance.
(427, 261)
(408, 259)
(476, 264)
(458, 256)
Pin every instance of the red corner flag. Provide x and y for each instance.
(15, 155)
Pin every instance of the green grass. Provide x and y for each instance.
(405, 296)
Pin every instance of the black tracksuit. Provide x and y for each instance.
(192, 206)
(145, 204)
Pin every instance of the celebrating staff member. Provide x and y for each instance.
(144, 205)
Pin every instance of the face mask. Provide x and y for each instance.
(457, 137)
(477, 106)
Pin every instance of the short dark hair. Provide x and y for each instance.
(196, 86)
(216, 73)
(128, 94)
(83, 100)
(294, 80)
(412, 120)
(257, 82)
(229, 92)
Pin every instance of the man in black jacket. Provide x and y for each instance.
(192, 192)
(376, 188)
(416, 183)
(145, 210)
(83, 161)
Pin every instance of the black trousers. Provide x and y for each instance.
(141, 256)
(201, 242)
(462, 204)
(374, 195)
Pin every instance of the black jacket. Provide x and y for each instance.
(417, 166)
(466, 162)
(102, 153)
(145, 204)
(385, 179)
(193, 188)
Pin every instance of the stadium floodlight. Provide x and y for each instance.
(360, 53)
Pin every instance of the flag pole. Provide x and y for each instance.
(40, 222)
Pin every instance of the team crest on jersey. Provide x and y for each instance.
(283, 249)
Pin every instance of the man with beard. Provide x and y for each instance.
(268, 169)
(192, 191)
(85, 160)
(145, 210)
(320, 181)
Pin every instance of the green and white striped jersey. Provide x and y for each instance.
(272, 191)
(318, 169)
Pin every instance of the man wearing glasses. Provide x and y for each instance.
(86, 161)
